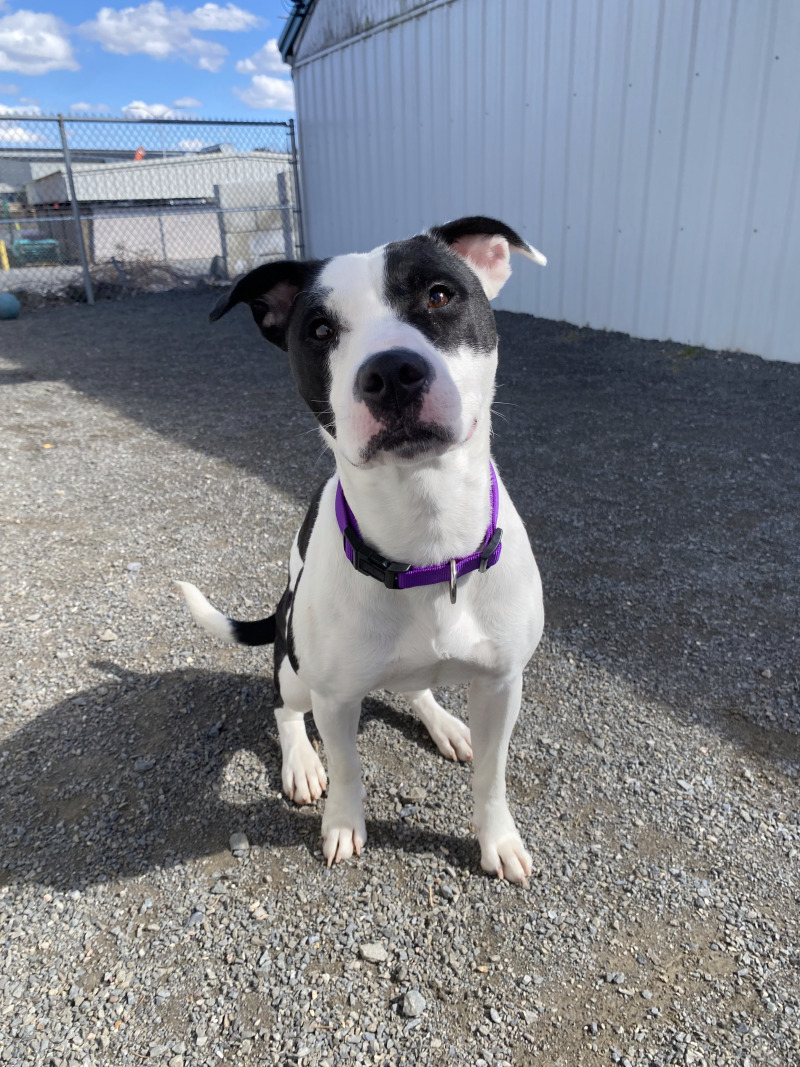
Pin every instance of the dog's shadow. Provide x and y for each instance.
(144, 771)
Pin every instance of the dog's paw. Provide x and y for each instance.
(343, 829)
(303, 776)
(502, 850)
(452, 737)
(507, 858)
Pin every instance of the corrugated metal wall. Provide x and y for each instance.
(651, 148)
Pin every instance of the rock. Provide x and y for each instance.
(413, 1004)
(239, 843)
(413, 795)
(141, 765)
(373, 953)
(108, 635)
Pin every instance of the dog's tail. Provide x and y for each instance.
(261, 632)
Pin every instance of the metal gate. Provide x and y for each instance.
(95, 207)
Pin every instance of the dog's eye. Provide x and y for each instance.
(438, 297)
(321, 330)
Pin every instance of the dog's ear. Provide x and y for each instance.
(270, 292)
(486, 245)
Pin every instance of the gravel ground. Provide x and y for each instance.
(654, 771)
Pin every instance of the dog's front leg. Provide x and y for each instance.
(493, 709)
(343, 829)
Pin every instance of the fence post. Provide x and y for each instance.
(286, 217)
(298, 207)
(76, 215)
(163, 242)
(223, 236)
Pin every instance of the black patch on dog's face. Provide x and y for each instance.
(415, 267)
(309, 354)
(288, 309)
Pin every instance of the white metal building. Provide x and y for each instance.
(188, 177)
(180, 209)
(650, 148)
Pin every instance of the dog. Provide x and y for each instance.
(412, 568)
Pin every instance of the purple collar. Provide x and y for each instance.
(402, 575)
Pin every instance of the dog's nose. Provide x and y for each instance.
(393, 379)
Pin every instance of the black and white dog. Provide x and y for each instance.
(412, 567)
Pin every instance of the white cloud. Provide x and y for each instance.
(187, 101)
(26, 109)
(230, 17)
(17, 135)
(266, 92)
(9, 90)
(94, 109)
(35, 43)
(266, 60)
(162, 33)
(193, 144)
(13, 134)
(138, 109)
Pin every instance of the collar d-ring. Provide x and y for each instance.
(453, 580)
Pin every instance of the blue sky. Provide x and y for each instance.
(152, 59)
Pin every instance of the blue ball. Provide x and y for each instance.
(9, 306)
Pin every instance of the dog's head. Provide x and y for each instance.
(394, 350)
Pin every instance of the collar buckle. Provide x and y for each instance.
(367, 561)
(488, 550)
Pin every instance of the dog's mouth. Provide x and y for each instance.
(409, 441)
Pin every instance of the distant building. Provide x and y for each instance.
(173, 207)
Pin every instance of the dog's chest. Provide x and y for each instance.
(441, 644)
(403, 640)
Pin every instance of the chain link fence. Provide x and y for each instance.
(94, 207)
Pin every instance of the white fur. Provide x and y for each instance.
(352, 635)
(205, 614)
